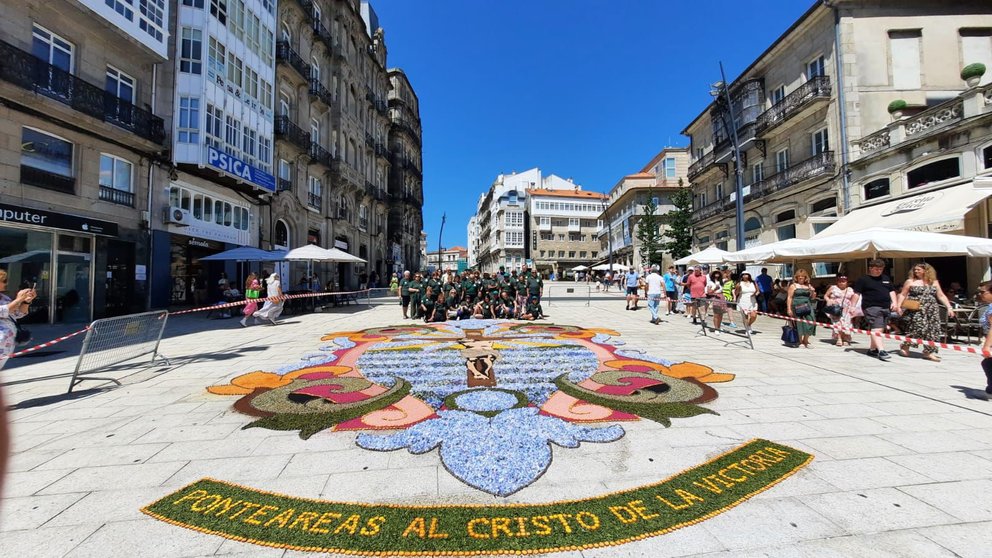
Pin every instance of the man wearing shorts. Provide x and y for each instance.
(632, 282)
(654, 290)
(878, 302)
(695, 283)
(671, 280)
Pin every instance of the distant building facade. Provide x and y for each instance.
(501, 214)
(562, 220)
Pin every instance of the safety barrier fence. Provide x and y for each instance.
(562, 295)
(705, 305)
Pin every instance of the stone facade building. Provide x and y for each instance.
(406, 177)
(81, 116)
(814, 93)
(501, 214)
(626, 202)
(562, 220)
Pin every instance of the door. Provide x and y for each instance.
(74, 273)
(120, 279)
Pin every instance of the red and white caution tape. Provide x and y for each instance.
(893, 336)
(201, 309)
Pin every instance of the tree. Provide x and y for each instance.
(680, 223)
(649, 231)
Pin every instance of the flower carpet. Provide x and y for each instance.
(492, 397)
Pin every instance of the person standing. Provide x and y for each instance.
(404, 292)
(535, 285)
(695, 283)
(631, 279)
(273, 302)
(984, 297)
(394, 284)
(654, 293)
(253, 290)
(921, 316)
(714, 294)
(745, 293)
(841, 307)
(765, 293)
(671, 280)
(801, 301)
(10, 310)
(878, 302)
(416, 288)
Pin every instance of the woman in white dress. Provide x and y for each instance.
(273, 306)
(746, 294)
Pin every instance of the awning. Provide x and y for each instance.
(936, 211)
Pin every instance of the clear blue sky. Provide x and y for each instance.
(588, 89)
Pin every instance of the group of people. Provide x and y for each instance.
(267, 289)
(442, 296)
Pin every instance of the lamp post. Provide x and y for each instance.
(444, 217)
(720, 88)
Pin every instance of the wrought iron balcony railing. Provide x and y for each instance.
(318, 91)
(114, 195)
(812, 90)
(307, 6)
(286, 55)
(697, 167)
(33, 74)
(314, 200)
(292, 133)
(814, 167)
(320, 155)
(285, 185)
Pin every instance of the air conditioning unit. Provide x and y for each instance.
(177, 216)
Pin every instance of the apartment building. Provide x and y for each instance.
(501, 214)
(332, 127)
(81, 111)
(473, 240)
(406, 177)
(626, 202)
(562, 221)
(455, 258)
(814, 93)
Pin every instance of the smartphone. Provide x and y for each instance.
(33, 285)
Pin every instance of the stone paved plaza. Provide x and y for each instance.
(903, 450)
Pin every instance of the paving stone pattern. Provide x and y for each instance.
(903, 449)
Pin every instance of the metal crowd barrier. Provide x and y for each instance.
(579, 292)
(111, 341)
(703, 312)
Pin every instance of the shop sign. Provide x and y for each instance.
(913, 204)
(237, 167)
(341, 244)
(28, 216)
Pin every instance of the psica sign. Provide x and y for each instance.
(240, 169)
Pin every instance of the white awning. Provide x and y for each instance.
(936, 211)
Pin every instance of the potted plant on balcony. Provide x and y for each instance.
(972, 73)
(897, 108)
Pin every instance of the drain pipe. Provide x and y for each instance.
(842, 112)
(151, 181)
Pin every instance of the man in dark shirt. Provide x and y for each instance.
(764, 282)
(404, 293)
(878, 301)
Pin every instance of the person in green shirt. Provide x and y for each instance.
(507, 305)
(470, 290)
(404, 292)
(427, 305)
(535, 285)
(416, 288)
(533, 310)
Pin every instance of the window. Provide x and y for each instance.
(189, 120)
(314, 190)
(283, 104)
(571, 254)
(934, 172)
(251, 83)
(514, 219)
(877, 189)
(122, 7)
(785, 232)
(218, 9)
(219, 212)
(719, 191)
(757, 173)
(987, 158)
(781, 160)
(115, 173)
(215, 125)
(233, 132)
(216, 58)
(265, 152)
(198, 206)
(46, 161)
(193, 3)
(785, 216)
(285, 170)
(820, 142)
(824, 205)
(208, 209)
(191, 51)
(152, 17)
(777, 95)
(248, 145)
(904, 53)
(51, 48)
(670, 167)
(235, 70)
(315, 130)
(815, 68)
(976, 46)
(120, 84)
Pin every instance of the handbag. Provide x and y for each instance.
(802, 310)
(789, 335)
(910, 304)
(834, 310)
(252, 293)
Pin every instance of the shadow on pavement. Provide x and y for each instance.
(51, 399)
(973, 393)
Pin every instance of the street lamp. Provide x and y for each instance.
(717, 89)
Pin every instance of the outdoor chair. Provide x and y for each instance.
(973, 323)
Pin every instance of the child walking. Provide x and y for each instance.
(985, 295)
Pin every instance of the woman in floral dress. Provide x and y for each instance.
(920, 315)
(842, 296)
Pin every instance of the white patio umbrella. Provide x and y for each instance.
(246, 254)
(761, 253)
(579, 268)
(604, 267)
(711, 255)
(886, 243)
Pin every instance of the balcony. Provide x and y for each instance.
(322, 33)
(49, 180)
(370, 189)
(286, 55)
(21, 68)
(114, 195)
(381, 149)
(710, 209)
(314, 200)
(380, 194)
(382, 107)
(284, 185)
(369, 140)
(818, 166)
(320, 155)
(318, 91)
(292, 133)
(702, 165)
(809, 95)
(307, 7)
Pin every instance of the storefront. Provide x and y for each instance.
(61, 256)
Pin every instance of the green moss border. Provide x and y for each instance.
(245, 514)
